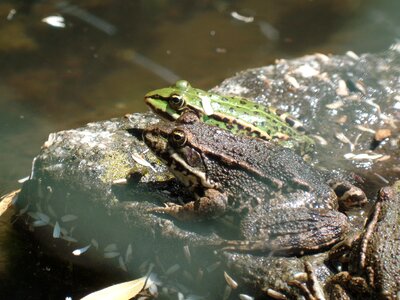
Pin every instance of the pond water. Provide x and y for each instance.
(66, 63)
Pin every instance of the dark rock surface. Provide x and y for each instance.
(77, 183)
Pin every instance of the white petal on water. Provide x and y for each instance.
(121, 291)
(344, 139)
(396, 105)
(372, 103)
(68, 238)
(39, 223)
(22, 180)
(121, 263)
(153, 289)
(320, 139)
(365, 129)
(121, 181)
(306, 71)
(95, 243)
(128, 254)
(292, 81)
(352, 55)
(362, 156)
(68, 218)
(56, 231)
(245, 297)
(111, 254)
(229, 280)
(110, 248)
(227, 292)
(141, 161)
(80, 251)
(335, 105)
(186, 252)
(55, 21)
(242, 18)
(206, 104)
(172, 269)
(342, 89)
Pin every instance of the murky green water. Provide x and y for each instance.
(98, 58)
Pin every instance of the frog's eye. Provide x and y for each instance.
(176, 101)
(177, 138)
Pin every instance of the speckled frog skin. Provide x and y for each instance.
(284, 203)
(374, 264)
(236, 114)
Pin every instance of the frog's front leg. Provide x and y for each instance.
(291, 231)
(211, 205)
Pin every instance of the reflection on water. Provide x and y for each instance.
(107, 55)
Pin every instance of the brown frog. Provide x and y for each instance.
(374, 257)
(283, 204)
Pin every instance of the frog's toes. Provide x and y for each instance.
(309, 286)
(348, 195)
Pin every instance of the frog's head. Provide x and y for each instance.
(169, 102)
(176, 146)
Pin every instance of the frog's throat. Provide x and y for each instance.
(197, 173)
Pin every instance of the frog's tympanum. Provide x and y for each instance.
(237, 114)
(283, 203)
(374, 258)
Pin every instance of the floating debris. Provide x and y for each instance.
(365, 129)
(110, 247)
(227, 292)
(122, 264)
(128, 254)
(352, 55)
(306, 71)
(269, 31)
(22, 180)
(245, 297)
(229, 280)
(111, 254)
(383, 179)
(335, 105)
(241, 18)
(206, 104)
(121, 181)
(68, 218)
(320, 139)
(68, 238)
(342, 89)
(362, 156)
(80, 251)
(292, 81)
(55, 21)
(186, 252)
(172, 269)
(141, 161)
(95, 243)
(121, 291)
(56, 231)
(344, 139)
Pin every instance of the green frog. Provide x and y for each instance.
(283, 204)
(374, 258)
(237, 114)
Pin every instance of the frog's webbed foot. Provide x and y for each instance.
(211, 205)
(309, 284)
(348, 195)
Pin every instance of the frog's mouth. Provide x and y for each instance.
(159, 105)
(190, 176)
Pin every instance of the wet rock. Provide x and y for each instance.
(78, 183)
